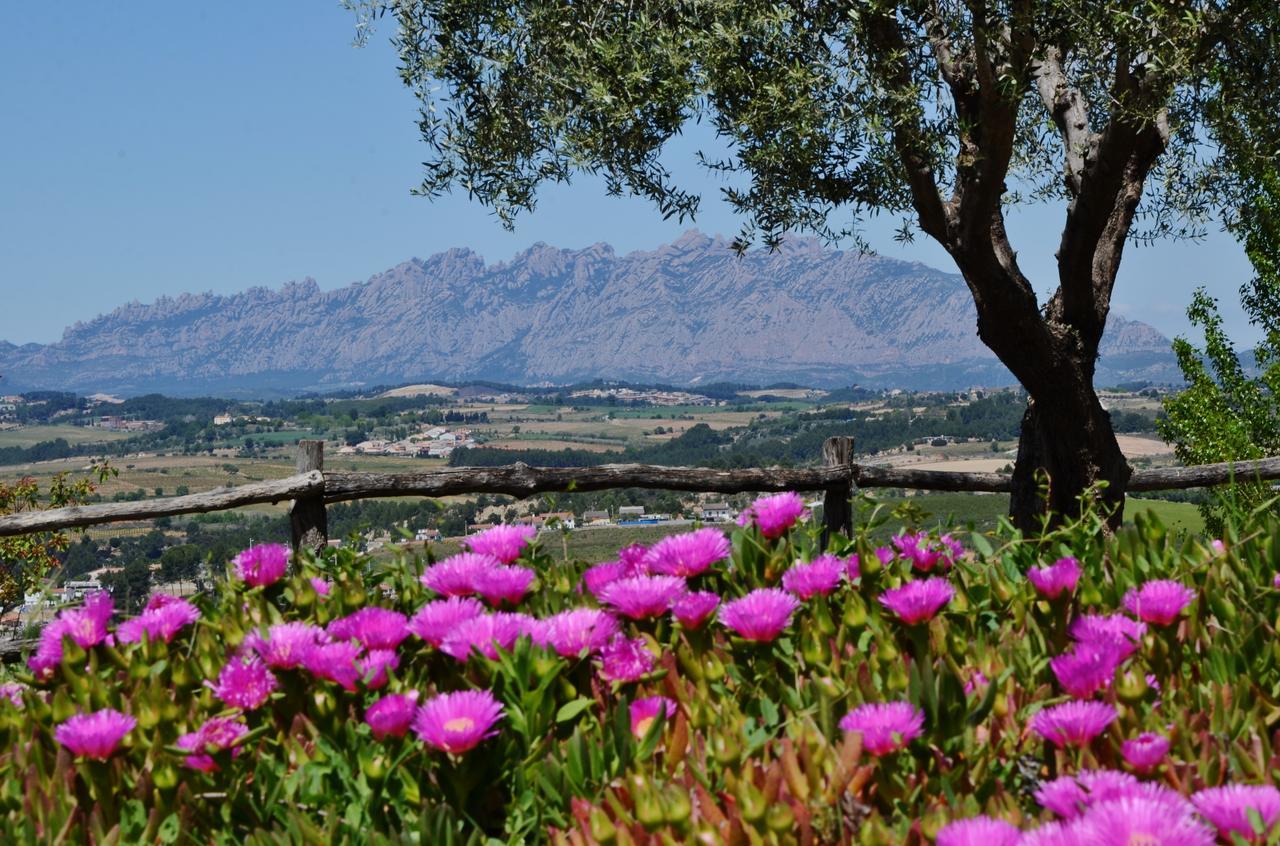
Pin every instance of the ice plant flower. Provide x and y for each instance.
(320, 586)
(1074, 723)
(923, 554)
(885, 726)
(335, 662)
(1052, 834)
(692, 609)
(1056, 579)
(374, 666)
(1124, 632)
(456, 575)
(487, 633)
(760, 615)
(1158, 602)
(918, 602)
(503, 584)
(625, 660)
(375, 628)
(48, 654)
(1088, 668)
(162, 619)
(12, 691)
(632, 557)
(600, 576)
(503, 542)
(818, 577)
(572, 632)
(1070, 796)
(95, 735)
(263, 564)
(979, 831)
(434, 621)
(1135, 821)
(286, 644)
(1145, 752)
(392, 715)
(1227, 809)
(853, 568)
(1063, 796)
(457, 722)
(688, 554)
(216, 735)
(645, 711)
(638, 597)
(774, 514)
(87, 625)
(244, 683)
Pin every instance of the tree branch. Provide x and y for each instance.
(1070, 114)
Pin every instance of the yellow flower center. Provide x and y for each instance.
(459, 724)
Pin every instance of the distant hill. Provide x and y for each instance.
(688, 312)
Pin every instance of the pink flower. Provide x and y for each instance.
(922, 552)
(774, 514)
(1059, 577)
(375, 628)
(760, 615)
(1275, 580)
(885, 726)
(392, 715)
(161, 620)
(1052, 834)
(216, 735)
(692, 609)
(1117, 629)
(434, 621)
(632, 557)
(374, 666)
(95, 735)
(1074, 723)
(87, 625)
(1087, 668)
(503, 542)
(487, 633)
(1069, 797)
(624, 660)
(853, 568)
(644, 712)
(1132, 821)
(1219, 548)
(885, 555)
(320, 586)
(48, 654)
(503, 584)
(457, 722)
(456, 575)
(12, 691)
(1158, 602)
(1063, 796)
(1227, 809)
(572, 632)
(688, 554)
(244, 683)
(286, 645)
(979, 831)
(600, 576)
(262, 565)
(1146, 751)
(335, 662)
(638, 597)
(917, 602)
(820, 576)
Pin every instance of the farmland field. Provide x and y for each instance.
(31, 435)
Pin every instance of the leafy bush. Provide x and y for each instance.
(862, 695)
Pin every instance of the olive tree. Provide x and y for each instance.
(1130, 116)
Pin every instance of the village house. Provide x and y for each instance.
(716, 512)
(596, 518)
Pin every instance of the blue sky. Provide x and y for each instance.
(154, 148)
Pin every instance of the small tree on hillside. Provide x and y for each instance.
(946, 112)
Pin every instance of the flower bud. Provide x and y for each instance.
(751, 803)
(1131, 686)
(855, 612)
(603, 831)
(780, 817)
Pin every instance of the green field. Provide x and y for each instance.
(31, 435)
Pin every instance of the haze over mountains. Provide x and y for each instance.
(688, 312)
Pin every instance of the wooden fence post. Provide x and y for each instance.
(837, 515)
(308, 521)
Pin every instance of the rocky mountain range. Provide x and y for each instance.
(688, 312)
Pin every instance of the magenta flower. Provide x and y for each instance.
(503, 584)
(503, 542)
(286, 644)
(1125, 633)
(374, 666)
(12, 691)
(1069, 797)
(335, 662)
(1074, 723)
(457, 722)
(1059, 577)
(692, 609)
(95, 735)
(456, 575)
(392, 715)
(1275, 581)
(978, 831)
(1063, 796)
(625, 660)
(1146, 751)
(600, 576)
(244, 683)
(488, 634)
(1131, 821)
(262, 565)
(820, 576)
(87, 625)
(638, 597)
(1053, 834)
(918, 602)
(923, 553)
(217, 735)
(688, 554)
(645, 711)
(48, 654)
(1227, 809)
(774, 514)
(1158, 602)
(632, 557)
(853, 568)
(375, 628)
(434, 621)
(161, 620)
(572, 632)
(885, 555)
(885, 726)
(760, 615)
(320, 586)
(1088, 668)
